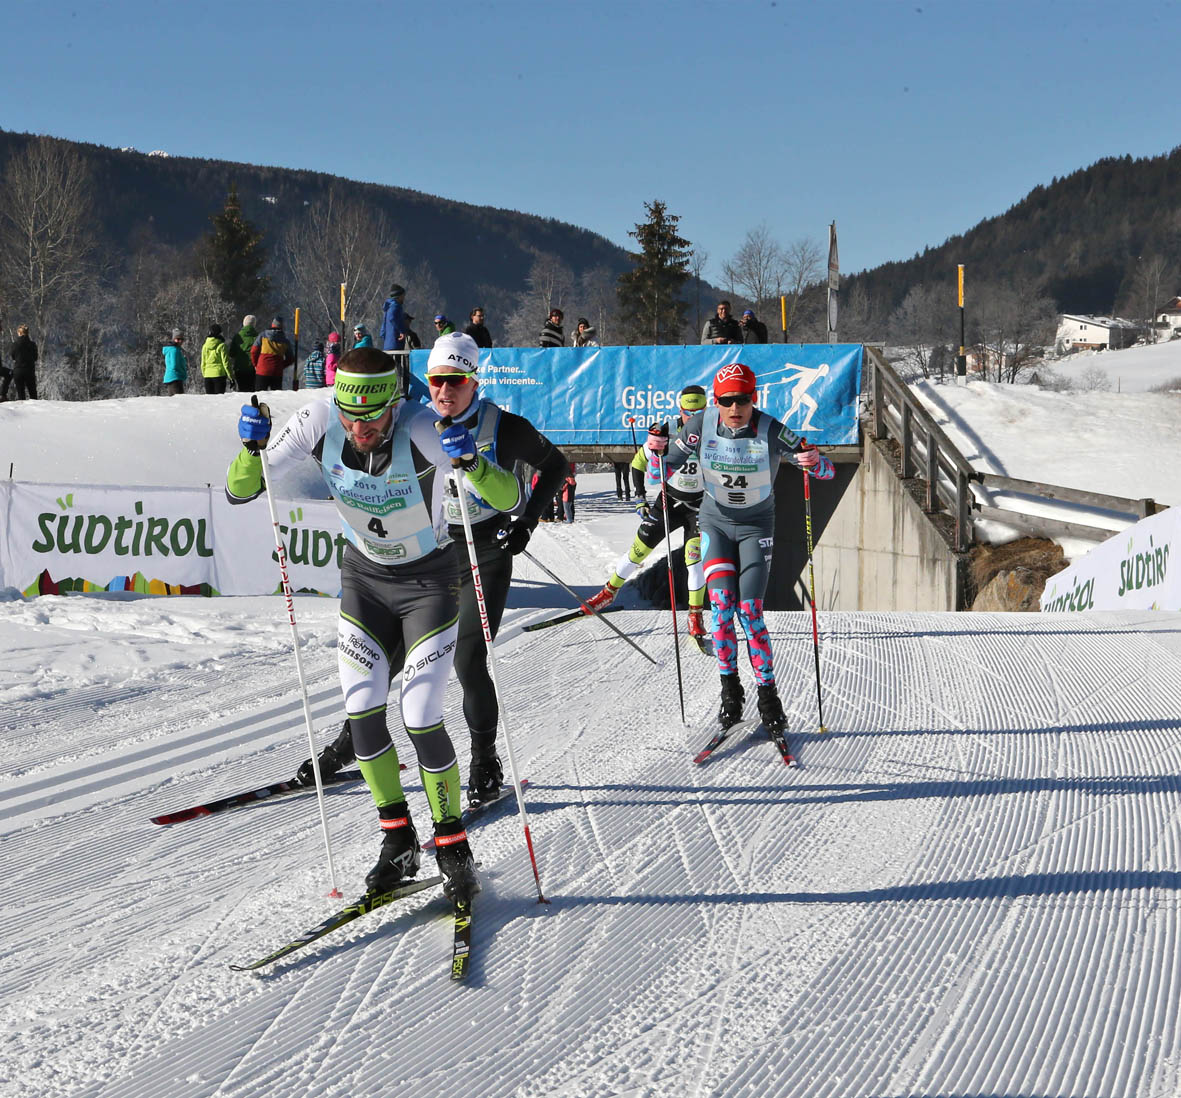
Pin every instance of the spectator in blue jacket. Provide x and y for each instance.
(176, 366)
(393, 321)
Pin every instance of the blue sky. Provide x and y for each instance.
(904, 122)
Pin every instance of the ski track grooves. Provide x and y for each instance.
(968, 891)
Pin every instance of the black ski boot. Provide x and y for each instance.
(771, 709)
(400, 853)
(455, 860)
(486, 775)
(333, 758)
(733, 699)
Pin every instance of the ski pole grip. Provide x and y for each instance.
(441, 426)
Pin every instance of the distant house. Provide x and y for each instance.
(1095, 333)
(1170, 317)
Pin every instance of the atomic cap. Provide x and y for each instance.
(454, 353)
(735, 378)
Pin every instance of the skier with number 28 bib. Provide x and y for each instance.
(738, 450)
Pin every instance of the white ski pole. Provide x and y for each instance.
(303, 689)
(461, 491)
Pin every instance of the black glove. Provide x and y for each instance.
(515, 536)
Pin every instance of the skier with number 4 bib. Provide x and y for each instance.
(385, 464)
(739, 450)
(505, 439)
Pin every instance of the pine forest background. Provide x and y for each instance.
(104, 251)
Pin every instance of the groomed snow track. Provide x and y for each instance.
(970, 889)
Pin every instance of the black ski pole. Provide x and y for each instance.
(672, 591)
(606, 621)
(812, 590)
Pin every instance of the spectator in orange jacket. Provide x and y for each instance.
(271, 354)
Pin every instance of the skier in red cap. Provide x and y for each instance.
(738, 449)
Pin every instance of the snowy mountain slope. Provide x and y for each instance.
(969, 889)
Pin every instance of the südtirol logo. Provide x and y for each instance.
(1081, 596)
(136, 535)
(1144, 569)
(312, 546)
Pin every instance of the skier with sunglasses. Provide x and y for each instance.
(385, 464)
(738, 450)
(504, 439)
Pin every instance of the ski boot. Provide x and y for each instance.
(332, 759)
(400, 853)
(696, 624)
(601, 599)
(455, 861)
(733, 699)
(770, 708)
(486, 774)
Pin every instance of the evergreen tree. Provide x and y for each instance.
(232, 257)
(650, 293)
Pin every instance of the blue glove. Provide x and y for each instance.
(458, 444)
(254, 426)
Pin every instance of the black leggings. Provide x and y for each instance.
(471, 653)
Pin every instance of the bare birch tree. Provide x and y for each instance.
(340, 240)
(549, 285)
(45, 238)
(801, 282)
(759, 268)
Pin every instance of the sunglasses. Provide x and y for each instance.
(439, 380)
(730, 399)
(365, 417)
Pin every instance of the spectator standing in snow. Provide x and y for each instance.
(567, 494)
(551, 332)
(23, 353)
(176, 366)
(393, 321)
(476, 328)
(361, 337)
(331, 357)
(314, 376)
(442, 325)
(239, 351)
(216, 368)
(753, 329)
(722, 328)
(271, 354)
(623, 484)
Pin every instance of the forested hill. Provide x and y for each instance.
(471, 249)
(1080, 237)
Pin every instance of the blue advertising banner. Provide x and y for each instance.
(587, 395)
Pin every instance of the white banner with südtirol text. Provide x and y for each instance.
(1129, 571)
(76, 537)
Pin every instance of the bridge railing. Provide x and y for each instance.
(952, 485)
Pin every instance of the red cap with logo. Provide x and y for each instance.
(735, 378)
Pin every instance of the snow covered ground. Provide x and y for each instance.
(1131, 370)
(1122, 444)
(970, 888)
